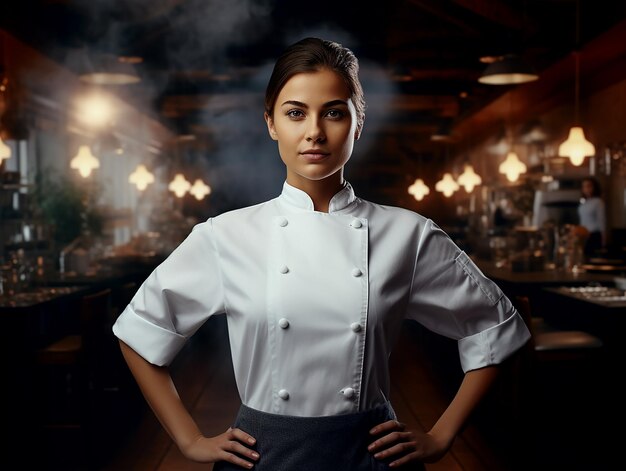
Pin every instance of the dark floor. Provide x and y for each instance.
(552, 421)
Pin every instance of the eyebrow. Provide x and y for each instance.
(326, 105)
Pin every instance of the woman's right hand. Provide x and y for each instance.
(231, 446)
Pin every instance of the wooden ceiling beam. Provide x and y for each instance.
(495, 11)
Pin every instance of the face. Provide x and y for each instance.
(315, 125)
(587, 188)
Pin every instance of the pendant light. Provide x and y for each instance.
(5, 151)
(447, 185)
(419, 189)
(200, 189)
(469, 179)
(84, 161)
(179, 185)
(141, 177)
(576, 146)
(512, 167)
(508, 70)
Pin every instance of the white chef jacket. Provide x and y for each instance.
(592, 214)
(314, 301)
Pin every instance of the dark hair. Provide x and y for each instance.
(595, 184)
(311, 55)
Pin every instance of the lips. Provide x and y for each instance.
(314, 154)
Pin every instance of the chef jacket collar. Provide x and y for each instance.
(293, 196)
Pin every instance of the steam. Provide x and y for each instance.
(242, 164)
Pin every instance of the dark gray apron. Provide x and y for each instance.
(329, 443)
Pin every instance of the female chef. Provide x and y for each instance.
(315, 300)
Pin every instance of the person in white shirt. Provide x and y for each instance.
(592, 216)
(315, 299)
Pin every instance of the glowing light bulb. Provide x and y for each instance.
(469, 179)
(200, 189)
(179, 185)
(84, 161)
(141, 177)
(419, 189)
(576, 147)
(447, 185)
(512, 167)
(5, 151)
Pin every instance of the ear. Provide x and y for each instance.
(270, 126)
(357, 132)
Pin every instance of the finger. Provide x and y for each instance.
(231, 458)
(402, 448)
(387, 426)
(242, 436)
(388, 440)
(405, 459)
(237, 447)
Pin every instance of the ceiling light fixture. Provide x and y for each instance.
(141, 177)
(512, 167)
(179, 185)
(419, 189)
(5, 151)
(508, 70)
(469, 179)
(84, 161)
(108, 69)
(447, 185)
(576, 147)
(200, 189)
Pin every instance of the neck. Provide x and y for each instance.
(320, 191)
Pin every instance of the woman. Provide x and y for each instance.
(592, 217)
(314, 302)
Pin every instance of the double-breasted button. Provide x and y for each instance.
(283, 323)
(284, 269)
(356, 327)
(348, 393)
(283, 394)
(356, 272)
(356, 223)
(283, 222)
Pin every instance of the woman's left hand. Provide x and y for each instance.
(405, 446)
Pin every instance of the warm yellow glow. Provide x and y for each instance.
(200, 189)
(447, 185)
(576, 147)
(419, 189)
(469, 179)
(141, 177)
(179, 185)
(5, 151)
(84, 161)
(512, 167)
(95, 110)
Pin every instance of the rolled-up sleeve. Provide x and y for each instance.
(175, 300)
(452, 297)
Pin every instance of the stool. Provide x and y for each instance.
(563, 389)
(70, 375)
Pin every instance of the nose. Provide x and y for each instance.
(315, 132)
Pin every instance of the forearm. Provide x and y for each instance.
(473, 388)
(159, 391)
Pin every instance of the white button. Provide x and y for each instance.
(283, 394)
(356, 272)
(283, 222)
(283, 323)
(357, 224)
(356, 327)
(348, 393)
(284, 269)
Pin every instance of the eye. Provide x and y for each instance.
(295, 114)
(335, 114)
